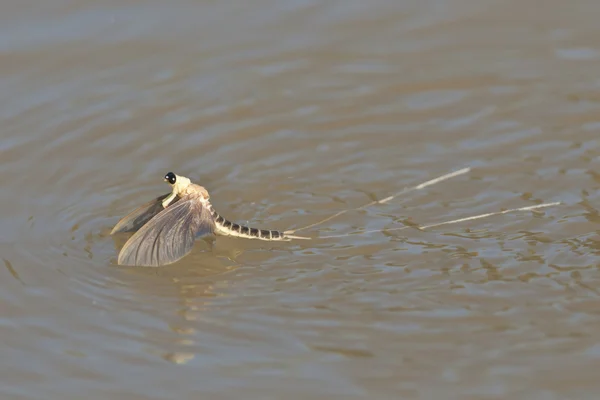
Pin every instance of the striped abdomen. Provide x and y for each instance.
(226, 227)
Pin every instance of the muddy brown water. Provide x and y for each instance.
(289, 111)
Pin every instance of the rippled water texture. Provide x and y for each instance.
(290, 111)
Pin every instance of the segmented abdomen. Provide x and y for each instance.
(230, 228)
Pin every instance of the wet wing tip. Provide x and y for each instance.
(138, 217)
(119, 226)
(124, 225)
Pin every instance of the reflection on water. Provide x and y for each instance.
(289, 112)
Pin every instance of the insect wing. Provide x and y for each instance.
(141, 215)
(169, 236)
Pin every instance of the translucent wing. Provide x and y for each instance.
(169, 236)
(144, 213)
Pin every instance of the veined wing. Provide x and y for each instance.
(169, 236)
(141, 215)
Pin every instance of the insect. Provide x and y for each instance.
(167, 226)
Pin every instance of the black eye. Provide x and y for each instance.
(170, 177)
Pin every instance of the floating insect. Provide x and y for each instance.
(167, 226)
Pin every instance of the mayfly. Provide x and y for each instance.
(166, 227)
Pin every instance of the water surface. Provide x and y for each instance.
(289, 111)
